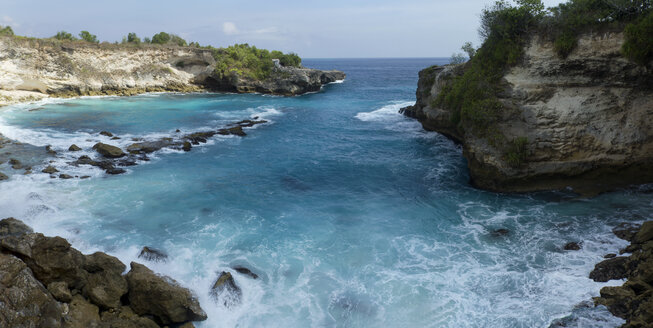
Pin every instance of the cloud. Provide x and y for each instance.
(230, 28)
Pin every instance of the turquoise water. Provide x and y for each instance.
(351, 214)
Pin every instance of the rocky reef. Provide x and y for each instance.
(44, 282)
(32, 69)
(584, 121)
(633, 300)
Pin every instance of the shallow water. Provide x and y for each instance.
(351, 214)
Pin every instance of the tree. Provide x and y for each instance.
(133, 38)
(88, 37)
(161, 38)
(6, 31)
(176, 39)
(147, 40)
(63, 35)
(468, 47)
(458, 58)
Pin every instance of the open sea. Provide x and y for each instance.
(350, 214)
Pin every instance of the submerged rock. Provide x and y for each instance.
(108, 151)
(572, 246)
(114, 171)
(161, 297)
(74, 147)
(245, 271)
(500, 232)
(225, 289)
(147, 147)
(65, 176)
(153, 254)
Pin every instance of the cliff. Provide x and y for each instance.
(32, 69)
(585, 121)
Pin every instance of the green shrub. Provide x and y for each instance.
(88, 37)
(565, 44)
(638, 45)
(161, 38)
(64, 36)
(176, 39)
(248, 61)
(517, 151)
(131, 38)
(6, 31)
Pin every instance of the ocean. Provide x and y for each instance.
(350, 214)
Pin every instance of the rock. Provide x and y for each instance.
(74, 147)
(617, 299)
(147, 147)
(245, 271)
(199, 137)
(236, 130)
(225, 289)
(108, 151)
(626, 230)
(153, 254)
(105, 284)
(115, 138)
(3, 176)
(82, 314)
(609, 256)
(126, 318)
(24, 302)
(65, 176)
(572, 246)
(614, 268)
(645, 233)
(60, 291)
(500, 232)
(114, 171)
(186, 146)
(50, 170)
(85, 160)
(106, 133)
(85, 177)
(11, 227)
(15, 164)
(49, 150)
(161, 297)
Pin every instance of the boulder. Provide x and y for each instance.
(645, 233)
(153, 254)
(161, 297)
(572, 246)
(147, 147)
(3, 176)
(124, 317)
(106, 133)
(74, 147)
(13, 227)
(614, 268)
(65, 176)
(105, 284)
(82, 314)
(225, 290)
(50, 170)
(24, 302)
(500, 232)
(114, 171)
(108, 151)
(60, 291)
(186, 146)
(236, 130)
(617, 299)
(49, 150)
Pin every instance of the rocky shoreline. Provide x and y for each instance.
(44, 282)
(633, 301)
(34, 69)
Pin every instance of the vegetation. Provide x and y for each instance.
(6, 31)
(639, 40)
(517, 151)
(131, 38)
(161, 38)
(88, 37)
(64, 36)
(248, 61)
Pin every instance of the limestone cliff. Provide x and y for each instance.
(32, 69)
(584, 122)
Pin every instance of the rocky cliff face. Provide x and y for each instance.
(32, 69)
(584, 122)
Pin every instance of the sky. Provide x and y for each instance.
(312, 29)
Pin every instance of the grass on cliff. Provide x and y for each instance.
(250, 62)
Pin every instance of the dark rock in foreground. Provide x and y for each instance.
(82, 290)
(633, 300)
(225, 289)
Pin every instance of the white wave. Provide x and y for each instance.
(337, 82)
(387, 113)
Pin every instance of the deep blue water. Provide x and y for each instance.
(352, 215)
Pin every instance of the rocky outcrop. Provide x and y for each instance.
(32, 69)
(633, 300)
(285, 81)
(584, 122)
(226, 291)
(44, 282)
